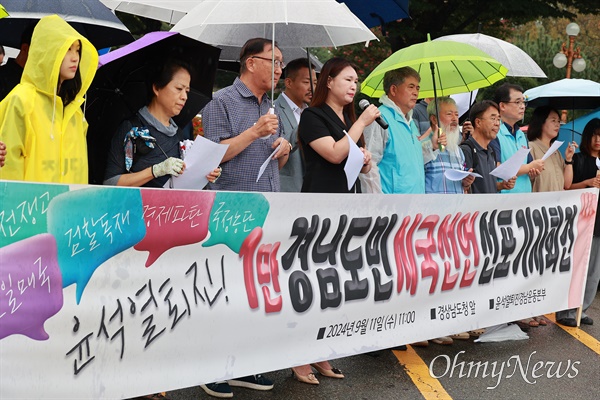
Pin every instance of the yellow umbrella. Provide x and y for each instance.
(445, 68)
(3, 12)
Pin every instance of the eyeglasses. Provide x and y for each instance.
(519, 103)
(277, 63)
(495, 120)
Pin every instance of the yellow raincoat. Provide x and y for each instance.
(45, 141)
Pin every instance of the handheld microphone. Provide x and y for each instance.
(364, 103)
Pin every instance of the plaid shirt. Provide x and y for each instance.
(233, 110)
(435, 180)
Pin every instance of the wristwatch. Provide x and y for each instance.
(569, 162)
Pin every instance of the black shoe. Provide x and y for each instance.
(567, 322)
(256, 382)
(221, 390)
(587, 320)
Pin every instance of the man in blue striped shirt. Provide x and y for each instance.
(451, 157)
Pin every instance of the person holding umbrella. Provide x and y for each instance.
(41, 120)
(242, 116)
(586, 173)
(145, 149)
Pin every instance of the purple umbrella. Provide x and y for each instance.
(121, 87)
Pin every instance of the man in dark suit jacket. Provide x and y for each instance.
(289, 106)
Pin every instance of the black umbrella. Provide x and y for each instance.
(120, 87)
(91, 18)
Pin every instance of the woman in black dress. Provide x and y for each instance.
(323, 125)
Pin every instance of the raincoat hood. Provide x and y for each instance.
(46, 140)
(51, 39)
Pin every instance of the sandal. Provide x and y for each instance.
(330, 373)
(528, 321)
(460, 336)
(476, 332)
(309, 378)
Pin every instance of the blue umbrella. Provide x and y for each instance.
(572, 131)
(573, 94)
(374, 13)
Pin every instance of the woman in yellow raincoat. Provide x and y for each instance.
(41, 121)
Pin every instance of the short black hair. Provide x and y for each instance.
(592, 128)
(2, 49)
(502, 93)
(293, 67)
(479, 108)
(164, 74)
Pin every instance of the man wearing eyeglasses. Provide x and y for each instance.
(511, 138)
(485, 117)
(242, 116)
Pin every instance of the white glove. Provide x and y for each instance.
(171, 166)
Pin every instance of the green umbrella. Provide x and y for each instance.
(457, 67)
(3, 12)
(445, 68)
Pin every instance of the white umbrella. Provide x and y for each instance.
(512, 57)
(297, 23)
(292, 23)
(170, 11)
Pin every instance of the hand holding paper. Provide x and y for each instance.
(354, 163)
(264, 165)
(552, 149)
(458, 175)
(200, 159)
(510, 167)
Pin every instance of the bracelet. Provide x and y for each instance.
(291, 147)
(569, 162)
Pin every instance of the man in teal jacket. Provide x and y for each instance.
(397, 150)
(510, 139)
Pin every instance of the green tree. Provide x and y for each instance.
(495, 18)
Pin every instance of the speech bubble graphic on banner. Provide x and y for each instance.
(233, 217)
(92, 225)
(173, 218)
(30, 286)
(23, 209)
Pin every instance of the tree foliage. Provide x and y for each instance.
(494, 18)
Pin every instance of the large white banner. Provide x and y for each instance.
(118, 292)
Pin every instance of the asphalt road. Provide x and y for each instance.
(554, 363)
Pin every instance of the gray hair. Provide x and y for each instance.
(440, 100)
(398, 76)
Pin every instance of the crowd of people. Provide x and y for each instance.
(42, 138)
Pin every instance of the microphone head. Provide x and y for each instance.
(364, 103)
